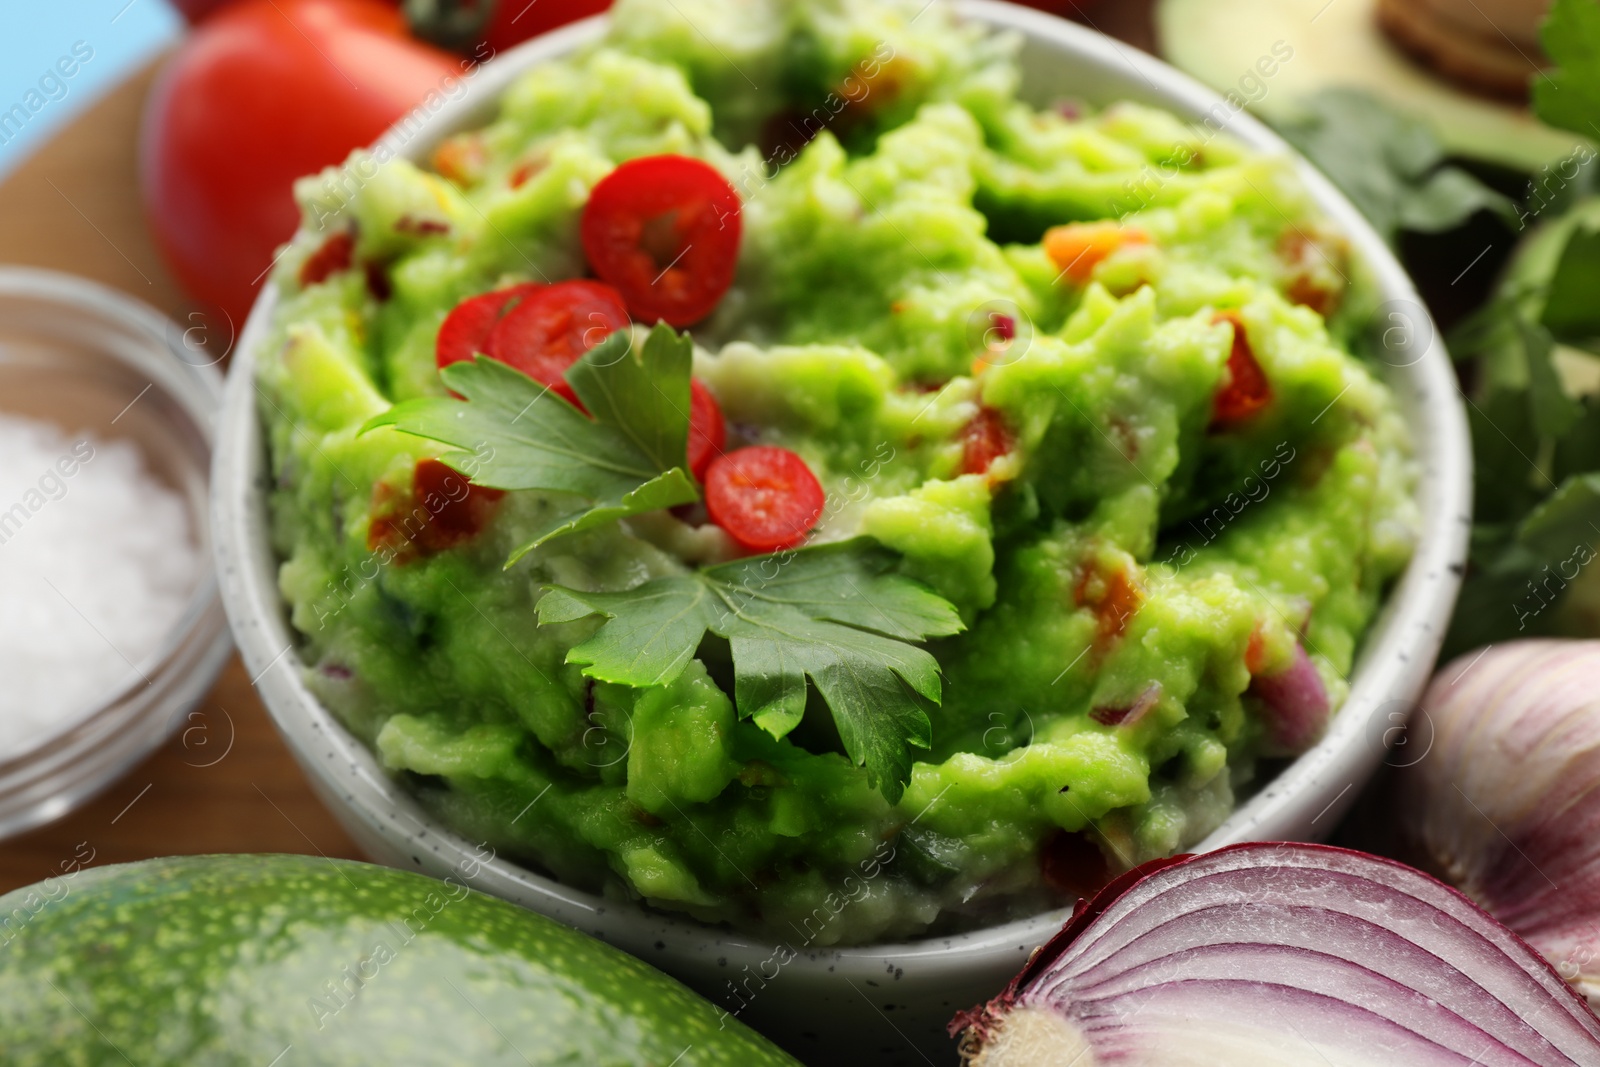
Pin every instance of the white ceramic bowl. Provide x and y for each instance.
(879, 1003)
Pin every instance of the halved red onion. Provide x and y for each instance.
(1281, 954)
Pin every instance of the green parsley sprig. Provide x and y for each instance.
(835, 618)
(514, 433)
(835, 614)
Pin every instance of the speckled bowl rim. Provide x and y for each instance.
(1304, 800)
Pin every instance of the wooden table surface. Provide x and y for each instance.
(226, 783)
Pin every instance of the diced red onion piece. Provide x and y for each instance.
(1282, 954)
(1296, 702)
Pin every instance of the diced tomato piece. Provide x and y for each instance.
(442, 510)
(665, 231)
(707, 430)
(984, 440)
(465, 331)
(523, 171)
(1113, 597)
(334, 255)
(1079, 247)
(1316, 264)
(461, 159)
(1247, 390)
(549, 329)
(765, 497)
(1255, 651)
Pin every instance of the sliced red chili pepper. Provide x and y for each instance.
(443, 510)
(707, 430)
(465, 331)
(765, 497)
(332, 256)
(984, 440)
(665, 231)
(1247, 390)
(551, 328)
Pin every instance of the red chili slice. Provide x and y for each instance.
(1247, 391)
(707, 431)
(551, 328)
(984, 440)
(665, 231)
(765, 497)
(465, 331)
(332, 256)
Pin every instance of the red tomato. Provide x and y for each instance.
(263, 92)
(514, 21)
(707, 432)
(1247, 390)
(766, 498)
(665, 231)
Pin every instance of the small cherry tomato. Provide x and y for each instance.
(465, 331)
(547, 331)
(707, 432)
(1247, 390)
(665, 231)
(766, 498)
(984, 440)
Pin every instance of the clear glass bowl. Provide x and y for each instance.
(83, 355)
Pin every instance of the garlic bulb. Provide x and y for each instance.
(1506, 804)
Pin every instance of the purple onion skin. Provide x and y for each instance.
(1506, 803)
(1281, 954)
(1296, 705)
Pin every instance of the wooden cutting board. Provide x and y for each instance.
(225, 783)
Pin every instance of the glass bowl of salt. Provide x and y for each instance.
(111, 629)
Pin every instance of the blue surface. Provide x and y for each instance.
(118, 35)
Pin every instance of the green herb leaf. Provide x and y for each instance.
(1570, 307)
(1569, 517)
(834, 614)
(1569, 96)
(512, 432)
(1390, 164)
(1554, 412)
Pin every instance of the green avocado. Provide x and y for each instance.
(294, 961)
(1268, 54)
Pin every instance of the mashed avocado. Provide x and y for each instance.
(1144, 551)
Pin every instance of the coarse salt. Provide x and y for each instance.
(97, 561)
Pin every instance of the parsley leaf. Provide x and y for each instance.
(834, 614)
(1569, 96)
(1390, 164)
(511, 432)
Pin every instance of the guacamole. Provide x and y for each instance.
(1093, 378)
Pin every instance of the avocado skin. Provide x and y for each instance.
(292, 960)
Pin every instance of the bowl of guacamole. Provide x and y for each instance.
(805, 491)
